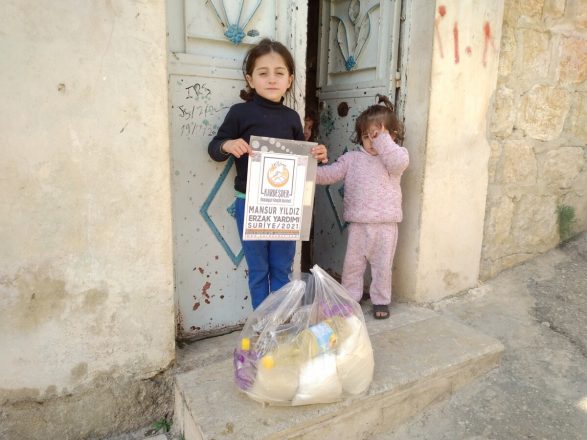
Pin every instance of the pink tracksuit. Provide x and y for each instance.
(373, 208)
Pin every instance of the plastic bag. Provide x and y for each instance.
(306, 343)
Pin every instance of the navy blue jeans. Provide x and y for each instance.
(269, 262)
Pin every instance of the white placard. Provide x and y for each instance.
(274, 205)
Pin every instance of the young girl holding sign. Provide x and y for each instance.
(269, 71)
(372, 202)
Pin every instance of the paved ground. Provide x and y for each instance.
(538, 310)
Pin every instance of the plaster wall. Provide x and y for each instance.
(86, 281)
(449, 175)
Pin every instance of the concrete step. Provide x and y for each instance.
(420, 358)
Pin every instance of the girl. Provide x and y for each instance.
(269, 71)
(311, 123)
(372, 202)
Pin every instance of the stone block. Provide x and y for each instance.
(543, 111)
(498, 231)
(494, 157)
(502, 121)
(507, 51)
(572, 63)
(534, 61)
(577, 198)
(578, 13)
(514, 10)
(554, 8)
(534, 227)
(518, 164)
(560, 167)
(578, 119)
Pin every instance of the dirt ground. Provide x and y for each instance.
(538, 310)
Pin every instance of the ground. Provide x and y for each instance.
(538, 310)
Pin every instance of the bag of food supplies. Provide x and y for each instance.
(306, 343)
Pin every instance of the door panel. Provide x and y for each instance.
(358, 55)
(208, 41)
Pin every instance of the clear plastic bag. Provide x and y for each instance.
(306, 343)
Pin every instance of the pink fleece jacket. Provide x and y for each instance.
(372, 192)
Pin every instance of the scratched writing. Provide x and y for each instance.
(202, 128)
(198, 91)
(196, 119)
(198, 115)
(189, 112)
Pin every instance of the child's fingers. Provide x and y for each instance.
(237, 147)
(320, 153)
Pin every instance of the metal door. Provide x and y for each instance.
(358, 59)
(207, 43)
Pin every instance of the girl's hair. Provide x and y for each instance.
(379, 114)
(264, 47)
(312, 115)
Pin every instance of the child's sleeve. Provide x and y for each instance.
(394, 157)
(227, 131)
(329, 174)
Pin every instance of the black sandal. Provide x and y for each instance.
(380, 311)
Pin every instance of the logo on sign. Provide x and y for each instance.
(278, 175)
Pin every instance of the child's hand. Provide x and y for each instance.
(320, 153)
(236, 147)
(375, 131)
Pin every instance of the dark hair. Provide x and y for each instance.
(264, 47)
(379, 114)
(312, 115)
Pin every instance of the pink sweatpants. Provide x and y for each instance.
(373, 243)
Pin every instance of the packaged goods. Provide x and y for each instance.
(306, 343)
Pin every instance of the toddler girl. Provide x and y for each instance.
(372, 202)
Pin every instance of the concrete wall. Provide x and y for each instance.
(86, 292)
(538, 131)
(446, 185)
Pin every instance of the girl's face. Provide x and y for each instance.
(270, 77)
(371, 133)
(308, 125)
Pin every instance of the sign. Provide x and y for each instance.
(279, 194)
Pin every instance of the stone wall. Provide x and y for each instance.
(538, 131)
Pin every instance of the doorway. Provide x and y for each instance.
(311, 110)
(205, 76)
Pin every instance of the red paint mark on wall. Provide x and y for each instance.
(487, 41)
(468, 51)
(205, 288)
(455, 36)
(196, 306)
(442, 13)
